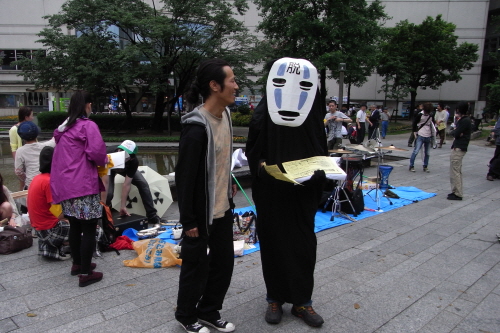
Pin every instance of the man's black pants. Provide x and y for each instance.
(204, 279)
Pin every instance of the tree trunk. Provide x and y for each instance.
(323, 84)
(413, 97)
(159, 109)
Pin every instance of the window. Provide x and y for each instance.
(9, 56)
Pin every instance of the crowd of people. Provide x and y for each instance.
(66, 193)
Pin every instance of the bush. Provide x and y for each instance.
(243, 109)
(239, 119)
(48, 121)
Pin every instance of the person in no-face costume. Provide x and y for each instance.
(287, 125)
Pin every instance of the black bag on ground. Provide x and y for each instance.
(14, 239)
(106, 233)
(356, 197)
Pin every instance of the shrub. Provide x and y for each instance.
(239, 119)
(107, 122)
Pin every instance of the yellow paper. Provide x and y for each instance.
(275, 171)
(56, 210)
(301, 170)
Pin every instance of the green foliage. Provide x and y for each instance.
(423, 56)
(243, 109)
(493, 105)
(107, 122)
(326, 33)
(127, 46)
(239, 119)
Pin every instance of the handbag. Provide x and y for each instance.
(244, 227)
(14, 239)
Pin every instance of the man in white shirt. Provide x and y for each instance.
(360, 124)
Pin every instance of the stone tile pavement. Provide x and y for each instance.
(430, 267)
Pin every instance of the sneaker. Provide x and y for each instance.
(87, 280)
(76, 269)
(219, 324)
(64, 256)
(426, 169)
(410, 145)
(274, 313)
(195, 328)
(490, 178)
(308, 314)
(453, 196)
(412, 169)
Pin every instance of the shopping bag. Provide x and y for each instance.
(153, 253)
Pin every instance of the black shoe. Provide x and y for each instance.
(195, 328)
(154, 220)
(453, 196)
(410, 145)
(412, 169)
(219, 324)
(274, 313)
(308, 314)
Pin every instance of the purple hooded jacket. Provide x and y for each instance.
(79, 150)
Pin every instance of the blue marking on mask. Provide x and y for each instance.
(307, 73)
(302, 99)
(277, 97)
(281, 70)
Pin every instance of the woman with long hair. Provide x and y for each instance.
(75, 182)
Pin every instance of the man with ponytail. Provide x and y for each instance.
(204, 191)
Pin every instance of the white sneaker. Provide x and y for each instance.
(195, 328)
(219, 324)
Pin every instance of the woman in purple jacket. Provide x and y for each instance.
(75, 184)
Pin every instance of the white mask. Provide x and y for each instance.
(291, 89)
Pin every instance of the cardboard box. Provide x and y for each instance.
(369, 186)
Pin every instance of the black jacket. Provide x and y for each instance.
(192, 175)
(462, 133)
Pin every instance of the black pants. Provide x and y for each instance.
(204, 279)
(142, 186)
(411, 139)
(360, 133)
(372, 131)
(82, 241)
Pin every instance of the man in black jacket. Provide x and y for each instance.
(204, 192)
(461, 133)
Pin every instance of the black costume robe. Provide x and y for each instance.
(285, 212)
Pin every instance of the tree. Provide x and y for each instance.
(125, 46)
(424, 55)
(493, 106)
(326, 32)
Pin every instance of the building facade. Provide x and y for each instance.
(21, 20)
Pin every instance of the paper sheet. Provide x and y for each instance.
(301, 170)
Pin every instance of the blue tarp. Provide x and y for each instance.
(408, 195)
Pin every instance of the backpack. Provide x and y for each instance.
(105, 233)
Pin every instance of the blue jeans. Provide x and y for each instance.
(421, 141)
(385, 126)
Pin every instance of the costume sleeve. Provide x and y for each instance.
(95, 148)
(192, 148)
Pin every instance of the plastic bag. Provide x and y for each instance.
(153, 253)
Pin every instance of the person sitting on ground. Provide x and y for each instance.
(50, 225)
(8, 208)
(24, 114)
(132, 177)
(27, 162)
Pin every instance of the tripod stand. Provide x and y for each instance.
(376, 136)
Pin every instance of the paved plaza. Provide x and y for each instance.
(429, 267)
